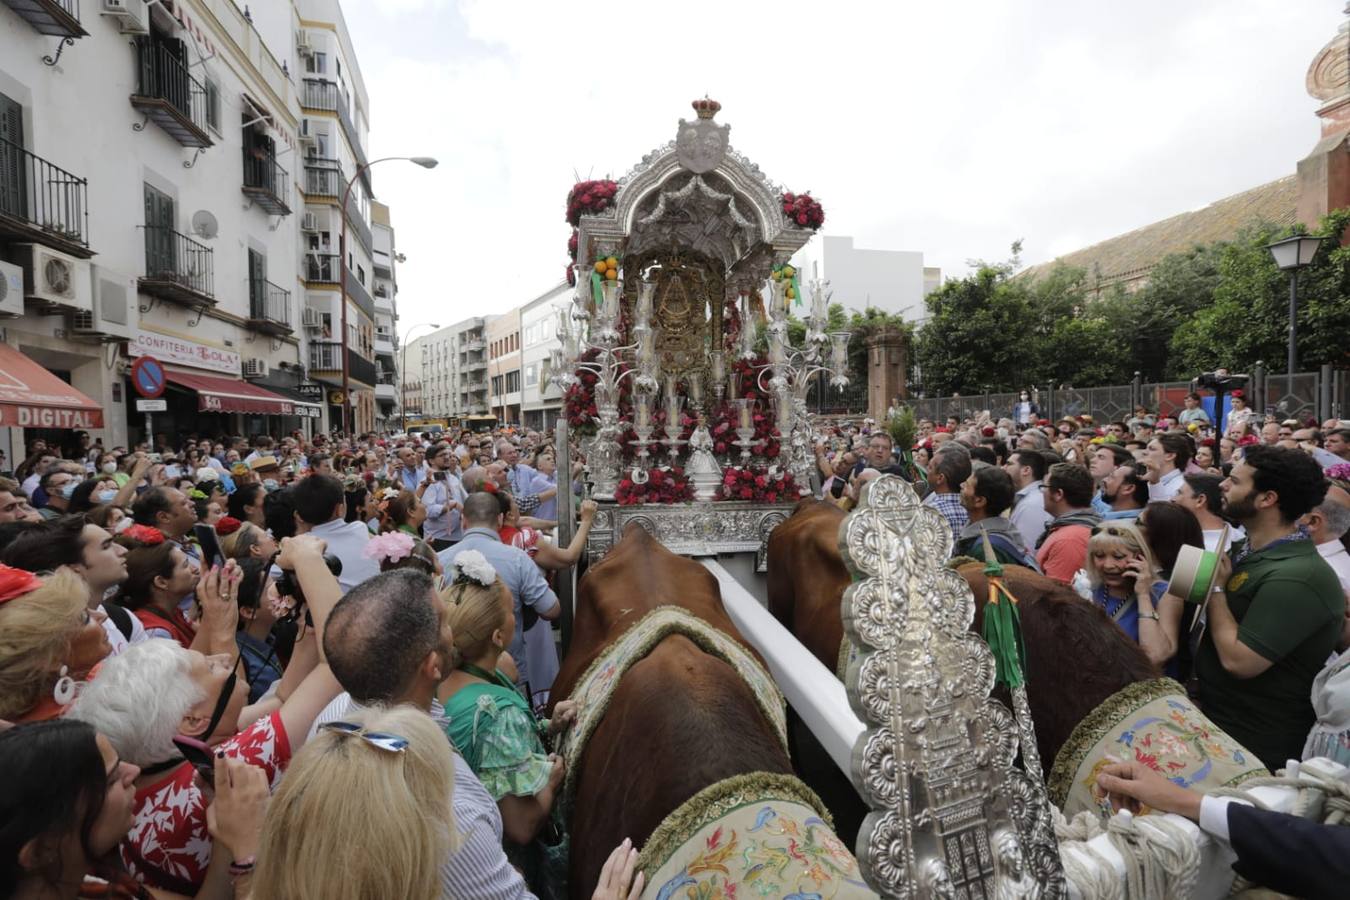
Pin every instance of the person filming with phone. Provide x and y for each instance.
(442, 492)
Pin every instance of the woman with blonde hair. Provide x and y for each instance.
(247, 541)
(1126, 586)
(49, 640)
(385, 772)
(493, 727)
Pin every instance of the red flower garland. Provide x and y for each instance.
(663, 486)
(803, 210)
(146, 534)
(756, 485)
(589, 198)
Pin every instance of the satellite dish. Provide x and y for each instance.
(204, 224)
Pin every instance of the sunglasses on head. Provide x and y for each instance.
(390, 743)
(1111, 530)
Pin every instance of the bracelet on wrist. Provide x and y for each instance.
(1152, 616)
(243, 866)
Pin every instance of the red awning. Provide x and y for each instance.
(230, 395)
(32, 397)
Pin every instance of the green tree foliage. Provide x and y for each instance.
(1222, 304)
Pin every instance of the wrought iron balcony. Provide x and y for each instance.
(268, 184)
(41, 202)
(168, 94)
(177, 268)
(58, 18)
(328, 96)
(269, 307)
(322, 268)
(325, 357)
(324, 178)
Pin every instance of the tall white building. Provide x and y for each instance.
(170, 184)
(895, 281)
(541, 401)
(450, 367)
(384, 287)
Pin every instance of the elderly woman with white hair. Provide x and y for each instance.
(159, 690)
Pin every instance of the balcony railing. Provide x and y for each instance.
(328, 96)
(322, 268)
(41, 202)
(325, 357)
(267, 183)
(324, 178)
(177, 268)
(269, 307)
(167, 93)
(58, 18)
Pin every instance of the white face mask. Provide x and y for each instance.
(110, 467)
(122, 525)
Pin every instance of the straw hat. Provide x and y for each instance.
(1195, 572)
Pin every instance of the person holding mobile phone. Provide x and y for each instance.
(443, 495)
(1127, 587)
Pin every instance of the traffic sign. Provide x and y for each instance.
(147, 376)
(147, 406)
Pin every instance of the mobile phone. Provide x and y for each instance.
(438, 475)
(199, 755)
(210, 544)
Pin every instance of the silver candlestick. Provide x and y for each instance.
(745, 442)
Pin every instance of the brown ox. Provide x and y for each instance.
(1076, 656)
(679, 721)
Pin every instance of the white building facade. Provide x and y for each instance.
(541, 402)
(895, 281)
(170, 183)
(449, 368)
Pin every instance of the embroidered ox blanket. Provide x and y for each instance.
(1155, 723)
(597, 685)
(752, 835)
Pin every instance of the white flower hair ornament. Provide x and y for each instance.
(472, 566)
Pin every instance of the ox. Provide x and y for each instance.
(1076, 656)
(678, 721)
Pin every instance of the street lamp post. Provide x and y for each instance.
(1292, 254)
(425, 162)
(403, 375)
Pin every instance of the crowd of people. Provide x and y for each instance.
(226, 662)
(225, 665)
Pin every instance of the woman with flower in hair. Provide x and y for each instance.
(401, 511)
(398, 550)
(49, 640)
(495, 730)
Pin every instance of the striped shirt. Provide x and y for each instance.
(478, 869)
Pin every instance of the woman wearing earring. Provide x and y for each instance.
(49, 640)
(493, 727)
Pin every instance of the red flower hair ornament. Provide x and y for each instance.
(227, 525)
(16, 582)
(146, 534)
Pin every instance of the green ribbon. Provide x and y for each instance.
(1002, 628)
(597, 295)
(796, 288)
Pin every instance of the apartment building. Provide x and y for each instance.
(503, 340)
(385, 290)
(171, 183)
(450, 372)
(541, 401)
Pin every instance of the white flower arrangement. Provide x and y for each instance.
(389, 494)
(471, 565)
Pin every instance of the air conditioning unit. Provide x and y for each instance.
(11, 289)
(113, 316)
(255, 368)
(133, 16)
(58, 281)
(309, 222)
(311, 319)
(303, 42)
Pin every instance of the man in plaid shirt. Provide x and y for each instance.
(948, 470)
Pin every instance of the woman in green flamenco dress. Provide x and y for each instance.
(496, 732)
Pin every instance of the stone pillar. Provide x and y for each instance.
(886, 371)
(1324, 175)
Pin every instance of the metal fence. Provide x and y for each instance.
(1322, 395)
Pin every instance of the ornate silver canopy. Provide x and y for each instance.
(952, 816)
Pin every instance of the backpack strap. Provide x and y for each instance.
(120, 617)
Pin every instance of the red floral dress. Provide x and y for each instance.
(168, 846)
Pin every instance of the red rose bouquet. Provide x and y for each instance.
(588, 198)
(664, 485)
(803, 210)
(757, 485)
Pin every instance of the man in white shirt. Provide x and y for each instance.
(320, 510)
(1326, 525)
(1027, 468)
(1166, 458)
(1201, 494)
(45, 462)
(443, 494)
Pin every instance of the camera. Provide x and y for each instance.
(289, 586)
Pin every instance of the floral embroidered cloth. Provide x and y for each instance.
(1155, 723)
(597, 685)
(750, 836)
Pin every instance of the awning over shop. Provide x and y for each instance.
(232, 395)
(32, 397)
(305, 409)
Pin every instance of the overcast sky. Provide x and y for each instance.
(951, 128)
